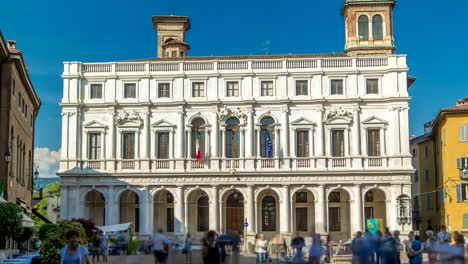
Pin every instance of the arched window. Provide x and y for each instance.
(202, 214)
(198, 137)
(232, 138)
(377, 27)
(268, 213)
(363, 27)
(267, 137)
(235, 200)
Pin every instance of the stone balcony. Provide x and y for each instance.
(241, 164)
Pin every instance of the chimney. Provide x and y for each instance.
(12, 44)
(463, 101)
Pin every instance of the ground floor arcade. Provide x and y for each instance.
(279, 208)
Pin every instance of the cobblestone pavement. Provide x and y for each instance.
(180, 259)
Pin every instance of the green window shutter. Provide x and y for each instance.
(459, 163)
(465, 220)
(459, 193)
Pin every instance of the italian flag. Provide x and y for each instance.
(197, 147)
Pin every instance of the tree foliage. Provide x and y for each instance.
(88, 225)
(11, 221)
(55, 239)
(41, 206)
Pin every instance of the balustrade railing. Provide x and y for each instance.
(196, 164)
(232, 163)
(267, 163)
(162, 164)
(241, 64)
(374, 162)
(127, 164)
(92, 164)
(303, 163)
(338, 162)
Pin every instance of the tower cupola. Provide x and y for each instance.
(368, 27)
(171, 35)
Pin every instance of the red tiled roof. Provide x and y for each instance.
(14, 51)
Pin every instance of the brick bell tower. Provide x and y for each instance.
(171, 35)
(368, 27)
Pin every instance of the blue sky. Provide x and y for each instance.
(433, 33)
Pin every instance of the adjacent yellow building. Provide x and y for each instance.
(440, 157)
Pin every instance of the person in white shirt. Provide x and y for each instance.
(160, 247)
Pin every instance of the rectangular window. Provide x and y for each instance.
(170, 219)
(372, 86)
(302, 143)
(368, 213)
(163, 145)
(416, 176)
(232, 89)
(267, 88)
(174, 54)
(129, 90)
(463, 133)
(336, 87)
(369, 197)
(428, 201)
(94, 146)
(465, 220)
(426, 152)
(164, 90)
(20, 100)
(302, 87)
(128, 149)
(373, 142)
(198, 89)
(13, 87)
(338, 146)
(96, 91)
(301, 219)
(426, 175)
(334, 219)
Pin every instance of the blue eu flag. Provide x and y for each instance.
(269, 146)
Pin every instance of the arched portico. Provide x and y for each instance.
(303, 212)
(163, 212)
(95, 205)
(338, 215)
(130, 209)
(233, 212)
(375, 206)
(198, 215)
(268, 219)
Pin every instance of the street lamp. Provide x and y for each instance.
(403, 211)
(7, 156)
(36, 173)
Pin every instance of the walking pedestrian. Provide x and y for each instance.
(398, 246)
(297, 244)
(458, 249)
(187, 250)
(356, 245)
(74, 252)
(235, 247)
(388, 248)
(261, 246)
(160, 247)
(96, 247)
(211, 252)
(430, 247)
(316, 250)
(415, 251)
(104, 247)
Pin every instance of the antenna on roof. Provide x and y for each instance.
(172, 11)
(267, 47)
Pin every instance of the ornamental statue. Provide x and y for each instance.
(339, 113)
(128, 117)
(226, 112)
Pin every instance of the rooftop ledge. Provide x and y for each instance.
(274, 63)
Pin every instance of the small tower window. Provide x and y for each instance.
(174, 54)
(363, 30)
(377, 27)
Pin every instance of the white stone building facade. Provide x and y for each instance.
(338, 125)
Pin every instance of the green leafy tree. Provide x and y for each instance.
(11, 221)
(88, 225)
(41, 206)
(55, 239)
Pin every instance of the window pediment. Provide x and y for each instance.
(373, 120)
(302, 122)
(95, 124)
(162, 124)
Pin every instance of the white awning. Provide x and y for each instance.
(115, 228)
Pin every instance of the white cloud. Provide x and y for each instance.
(48, 161)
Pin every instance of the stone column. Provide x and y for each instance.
(356, 141)
(110, 207)
(112, 143)
(356, 210)
(179, 223)
(214, 214)
(150, 214)
(319, 151)
(77, 209)
(189, 143)
(180, 141)
(250, 210)
(64, 153)
(320, 207)
(277, 143)
(257, 144)
(215, 142)
(64, 202)
(242, 144)
(396, 134)
(285, 133)
(223, 142)
(285, 210)
(146, 141)
(144, 211)
(249, 139)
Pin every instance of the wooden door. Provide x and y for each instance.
(235, 219)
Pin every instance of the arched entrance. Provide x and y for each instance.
(130, 209)
(303, 212)
(234, 213)
(374, 206)
(268, 213)
(96, 207)
(163, 213)
(198, 215)
(339, 219)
